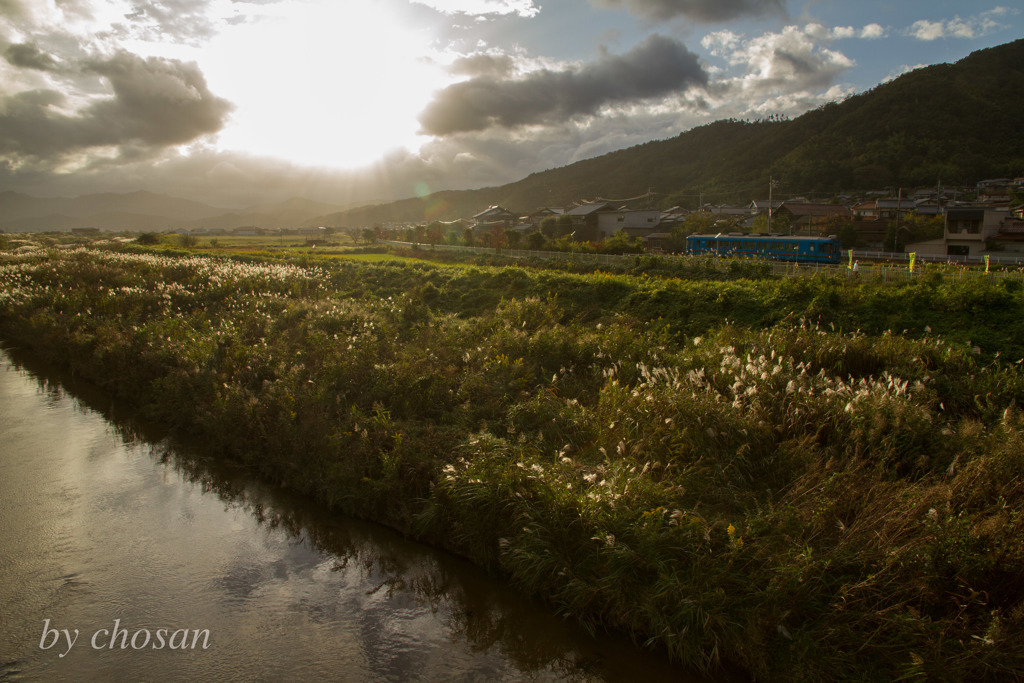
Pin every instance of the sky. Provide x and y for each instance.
(246, 102)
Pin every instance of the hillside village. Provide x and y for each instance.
(937, 222)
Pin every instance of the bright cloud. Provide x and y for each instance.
(790, 61)
(972, 27)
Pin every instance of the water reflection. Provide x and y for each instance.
(286, 589)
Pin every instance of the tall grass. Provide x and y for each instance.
(799, 491)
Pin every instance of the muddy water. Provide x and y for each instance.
(122, 557)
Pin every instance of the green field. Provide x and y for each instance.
(811, 478)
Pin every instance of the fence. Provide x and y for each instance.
(887, 271)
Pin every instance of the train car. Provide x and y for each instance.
(802, 249)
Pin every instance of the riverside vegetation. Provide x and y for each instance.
(801, 479)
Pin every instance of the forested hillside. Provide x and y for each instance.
(949, 123)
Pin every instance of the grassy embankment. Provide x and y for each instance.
(797, 492)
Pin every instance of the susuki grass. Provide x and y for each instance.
(798, 492)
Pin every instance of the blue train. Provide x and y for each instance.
(803, 249)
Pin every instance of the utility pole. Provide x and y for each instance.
(899, 205)
(771, 184)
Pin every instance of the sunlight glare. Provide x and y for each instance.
(324, 83)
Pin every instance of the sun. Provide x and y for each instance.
(323, 82)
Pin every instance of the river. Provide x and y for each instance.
(123, 557)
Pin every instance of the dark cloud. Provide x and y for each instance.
(29, 56)
(10, 8)
(156, 103)
(482, 64)
(698, 10)
(657, 67)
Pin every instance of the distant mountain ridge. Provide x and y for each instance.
(145, 211)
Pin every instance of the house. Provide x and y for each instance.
(893, 207)
(871, 233)
(673, 217)
(585, 219)
(968, 229)
(531, 223)
(813, 218)
(658, 242)
(868, 209)
(1010, 236)
(495, 215)
(760, 207)
(635, 223)
(928, 207)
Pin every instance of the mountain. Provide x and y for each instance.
(949, 123)
(112, 211)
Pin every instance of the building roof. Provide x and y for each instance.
(587, 209)
(494, 212)
(808, 209)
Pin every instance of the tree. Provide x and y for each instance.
(701, 223)
(549, 226)
(369, 235)
(849, 237)
(565, 225)
(498, 239)
(434, 233)
(621, 243)
(536, 240)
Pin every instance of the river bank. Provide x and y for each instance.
(125, 555)
(773, 493)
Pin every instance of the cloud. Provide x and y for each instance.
(484, 64)
(155, 103)
(698, 10)
(973, 27)
(29, 56)
(872, 31)
(185, 21)
(522, 8)
(787, 62)
(824, 34)
(657, 67)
